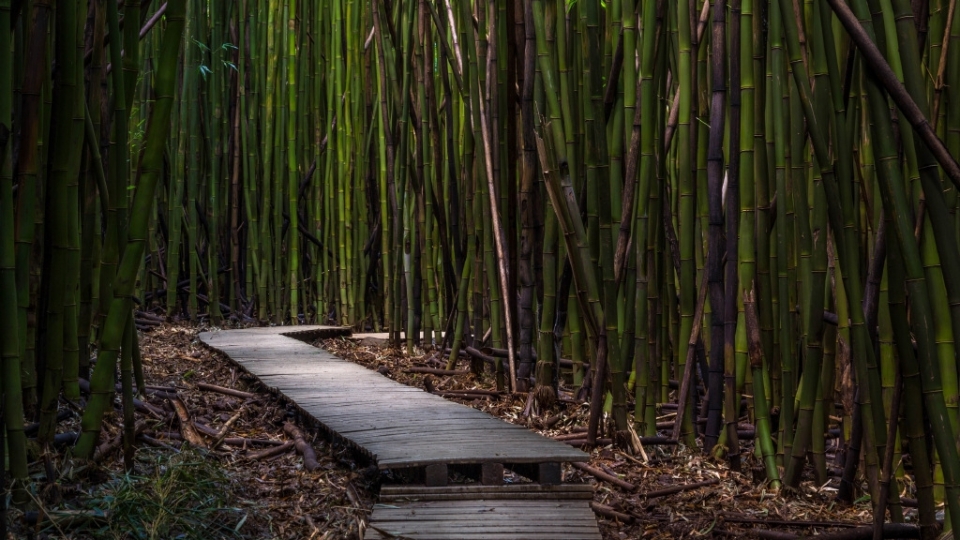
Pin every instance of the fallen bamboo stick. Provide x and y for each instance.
(606, 477)
(569, 436)
(148, 408)
(461, 395)
(226, 429)
(678, 489)
(150, 387)
(436, 371)
(890, 530)
(549, 422)
(310, 462)
(607, 512)
(270, 452)
(156, 443)
(226, 391)
(583, 441)
(244, 442)
(739, 518)
(206, 430)
(232, 441)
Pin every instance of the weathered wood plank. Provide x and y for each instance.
(484, 519)
(480, 489)
(399, 425)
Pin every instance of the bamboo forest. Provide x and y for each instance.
(718, 232)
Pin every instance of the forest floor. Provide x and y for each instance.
(228, 492)
(675, 493)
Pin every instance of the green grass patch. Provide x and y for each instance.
(181, 495)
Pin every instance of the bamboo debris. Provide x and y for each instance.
(225, 429)
(271, 452)
(310, 462)
(606, 477)
(187, 428)
(678, 489)
(226, 391)
(606, 511)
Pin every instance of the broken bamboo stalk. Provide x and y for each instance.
(186, 426)
(685, 380)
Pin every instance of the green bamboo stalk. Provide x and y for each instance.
(150, 165)
(686, 184)
(30, 199)
(9, 329)
(94, 185)
(913, 426)
(62, 207)
(215, 99)
(115, 234)
(764, 436)
(293, 180)
(894, 197)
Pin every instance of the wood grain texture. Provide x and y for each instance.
(528, 511)
(397, 425)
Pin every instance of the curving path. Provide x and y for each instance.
(406, 429)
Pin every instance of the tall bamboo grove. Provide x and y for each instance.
(745, 210)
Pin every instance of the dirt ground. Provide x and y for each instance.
(238, 495)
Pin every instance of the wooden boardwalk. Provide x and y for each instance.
(405, 428)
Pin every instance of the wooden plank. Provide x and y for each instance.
(400, 499)
(483, 519)
(394, 461)
(480, 489)
(400, 426)
(545, 517)
(468, 506)
(539, 513)
(372, 534)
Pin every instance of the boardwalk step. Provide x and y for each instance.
(487, 519)
(574, 491)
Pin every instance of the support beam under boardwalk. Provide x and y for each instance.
(528, 511)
